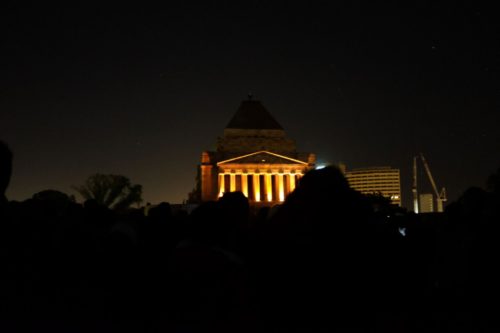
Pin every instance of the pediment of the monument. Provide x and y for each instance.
(262, 157)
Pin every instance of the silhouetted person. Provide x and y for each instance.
(5, 171)
(210, 279)
(322, 268)
(235, 211)
(468, 252)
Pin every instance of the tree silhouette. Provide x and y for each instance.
(112, 191)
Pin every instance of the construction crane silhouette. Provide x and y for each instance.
(440, 195)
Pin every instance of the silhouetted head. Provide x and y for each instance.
(324, 181)
(321, 188)
(207, 211)
(55, 202)
(5, 168)
(161, 213)
(321, 201)
(51, 195)
(473, 200)
(234, 207)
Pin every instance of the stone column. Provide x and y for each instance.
(281, 187)
(232, 182)
(256, 186)
(221, 184)
(292, 182)
(276, 187)
(269, 187)
(244, 184)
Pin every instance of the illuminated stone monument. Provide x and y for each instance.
(253, 156)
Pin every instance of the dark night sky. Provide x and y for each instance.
(142, 91)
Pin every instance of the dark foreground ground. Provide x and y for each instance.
(328, 260)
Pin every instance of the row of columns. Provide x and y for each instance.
(281, 187)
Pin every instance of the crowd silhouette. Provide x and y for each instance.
(327, 260)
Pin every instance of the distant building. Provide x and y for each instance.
(383, 180)
(426, 203)
(253, 156)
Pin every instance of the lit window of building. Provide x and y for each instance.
(383, 180)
